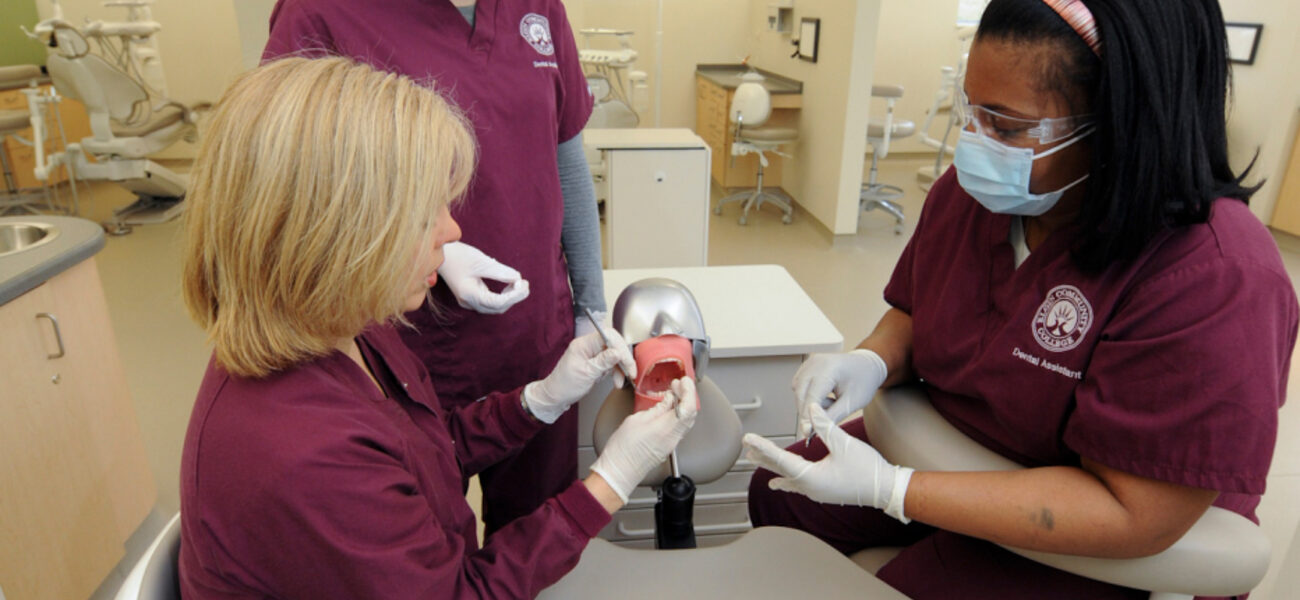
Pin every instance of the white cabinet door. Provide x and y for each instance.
(658, 209)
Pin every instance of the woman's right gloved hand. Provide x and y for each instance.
(853, 377)
(645, 439)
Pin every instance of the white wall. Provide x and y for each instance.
(825, 173)
(915, 39)
(199, 44)
(1266, 96)
(694, 32)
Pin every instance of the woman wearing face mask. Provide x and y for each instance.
(1086, 293)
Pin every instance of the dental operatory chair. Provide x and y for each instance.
(650, 314)
(130, 118)
(751, 106)
(880, 132)
(1223, 554)
(770, 562)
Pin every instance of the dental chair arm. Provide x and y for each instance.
(1223, 554)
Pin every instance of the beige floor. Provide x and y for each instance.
(165, 354)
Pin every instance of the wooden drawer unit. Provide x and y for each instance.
(712, 123)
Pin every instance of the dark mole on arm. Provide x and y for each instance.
(1045, 519)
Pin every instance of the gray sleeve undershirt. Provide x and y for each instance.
(468, 12)
(580, 236)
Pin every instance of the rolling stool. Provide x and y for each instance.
(751, 106)
(879, 133)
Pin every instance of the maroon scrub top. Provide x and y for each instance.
(311, 483)
(516, 75)
(1170, 366)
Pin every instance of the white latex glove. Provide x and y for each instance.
(464, 268)
(582, 325)
(645, 439)
(584, 362)
(853, 473)
(853, 377)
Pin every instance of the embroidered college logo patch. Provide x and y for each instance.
(537, 32)
(1062, 319)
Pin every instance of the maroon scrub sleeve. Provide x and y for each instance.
(488, 431)
(355, 528)
(1186, 381)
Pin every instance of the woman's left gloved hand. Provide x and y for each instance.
(584, 362)
(464, 268)
(852, 473)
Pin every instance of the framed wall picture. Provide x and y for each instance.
(808, 31)
(1243, 42)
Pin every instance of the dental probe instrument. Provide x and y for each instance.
(601, 330)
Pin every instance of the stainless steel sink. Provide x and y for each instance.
(17, 237)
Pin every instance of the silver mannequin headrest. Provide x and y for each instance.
(658, 306)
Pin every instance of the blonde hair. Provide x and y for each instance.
(315, 189)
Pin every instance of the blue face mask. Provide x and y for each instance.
(997, 175)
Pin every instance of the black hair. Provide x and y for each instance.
(1158, 94)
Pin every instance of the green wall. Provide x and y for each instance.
(15, 47)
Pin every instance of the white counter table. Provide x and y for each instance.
(762, 325)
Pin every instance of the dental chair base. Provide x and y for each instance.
(674, 522)
(160, 191)
(1223, 554)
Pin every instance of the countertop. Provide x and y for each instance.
(728, 76)
(785, 322)
(77, 240)
(639, 139)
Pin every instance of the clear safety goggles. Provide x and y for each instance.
(1015, 131)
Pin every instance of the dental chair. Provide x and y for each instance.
(879, 133)
(751, 106)
(127, 123)
(770, 562)
(1223, 554)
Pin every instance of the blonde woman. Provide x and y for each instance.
(318, 462)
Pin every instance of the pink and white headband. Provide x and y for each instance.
(1080, 19)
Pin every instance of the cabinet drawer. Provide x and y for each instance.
(701, 541)
(710, 519)
(731, 487)
(759, 388)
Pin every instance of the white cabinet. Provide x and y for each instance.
(74, 477)
(657, 208)
(761, 325)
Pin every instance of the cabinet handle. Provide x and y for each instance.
(740, 527)
(57, 336)
(624, 531)
(756, 404)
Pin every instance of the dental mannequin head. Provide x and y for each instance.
(662, 322)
